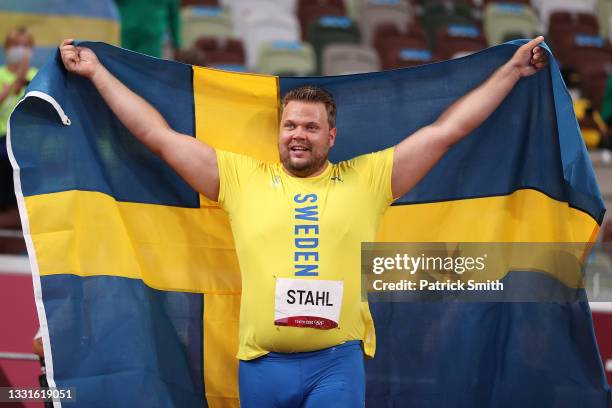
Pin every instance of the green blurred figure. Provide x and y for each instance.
(606, 106)
(144, 24)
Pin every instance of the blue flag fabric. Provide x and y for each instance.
(135, 276)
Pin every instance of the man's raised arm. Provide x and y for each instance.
(193, 160)
(417, 154)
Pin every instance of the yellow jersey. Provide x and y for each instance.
(298, 242)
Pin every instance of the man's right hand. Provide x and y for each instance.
(79, 60)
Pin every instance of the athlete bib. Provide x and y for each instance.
(308, 303)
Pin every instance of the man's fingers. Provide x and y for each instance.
(67, 41)
(69, 54)
(66, 48)
(70, 58)
(533, 44)
(539, 55)
(541, 58)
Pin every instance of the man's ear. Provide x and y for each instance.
(332, 136)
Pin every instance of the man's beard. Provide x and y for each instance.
(304, 169)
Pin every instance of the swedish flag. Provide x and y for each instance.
(136, 278)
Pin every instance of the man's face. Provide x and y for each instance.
(305, 138)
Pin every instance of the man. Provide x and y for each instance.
(14, 77)
(298, 225)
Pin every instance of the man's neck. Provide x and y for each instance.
(319, 171)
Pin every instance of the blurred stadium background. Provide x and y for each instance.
(311, 37)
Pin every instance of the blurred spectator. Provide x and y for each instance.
(606, 106)
(14, 77)
(144, 24)
(592, 126)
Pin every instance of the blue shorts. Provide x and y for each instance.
(333, 377)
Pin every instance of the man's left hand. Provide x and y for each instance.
(529, 58)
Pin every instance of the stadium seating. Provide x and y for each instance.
(310, 12)
(539, 4)
(339, 59)
(470, 3)
(192, 56)
(204, 22)
(563, 23)
(591, 58)
(209, 3)
(263, 29)
(302, 4)
(527, 2)
(388, 34)
(332, 29)
(504, 21)
(604, 12)
(286, 58)
(400, 57)
(388, 39)
(580, 49)
(577, 22)
(353, 9)
(221, 51)
(289, 37)
(281, 5)
(437, 15)
(375, 12)
(546, 7)
(594, 83)
(242, 12)
(459, 40)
